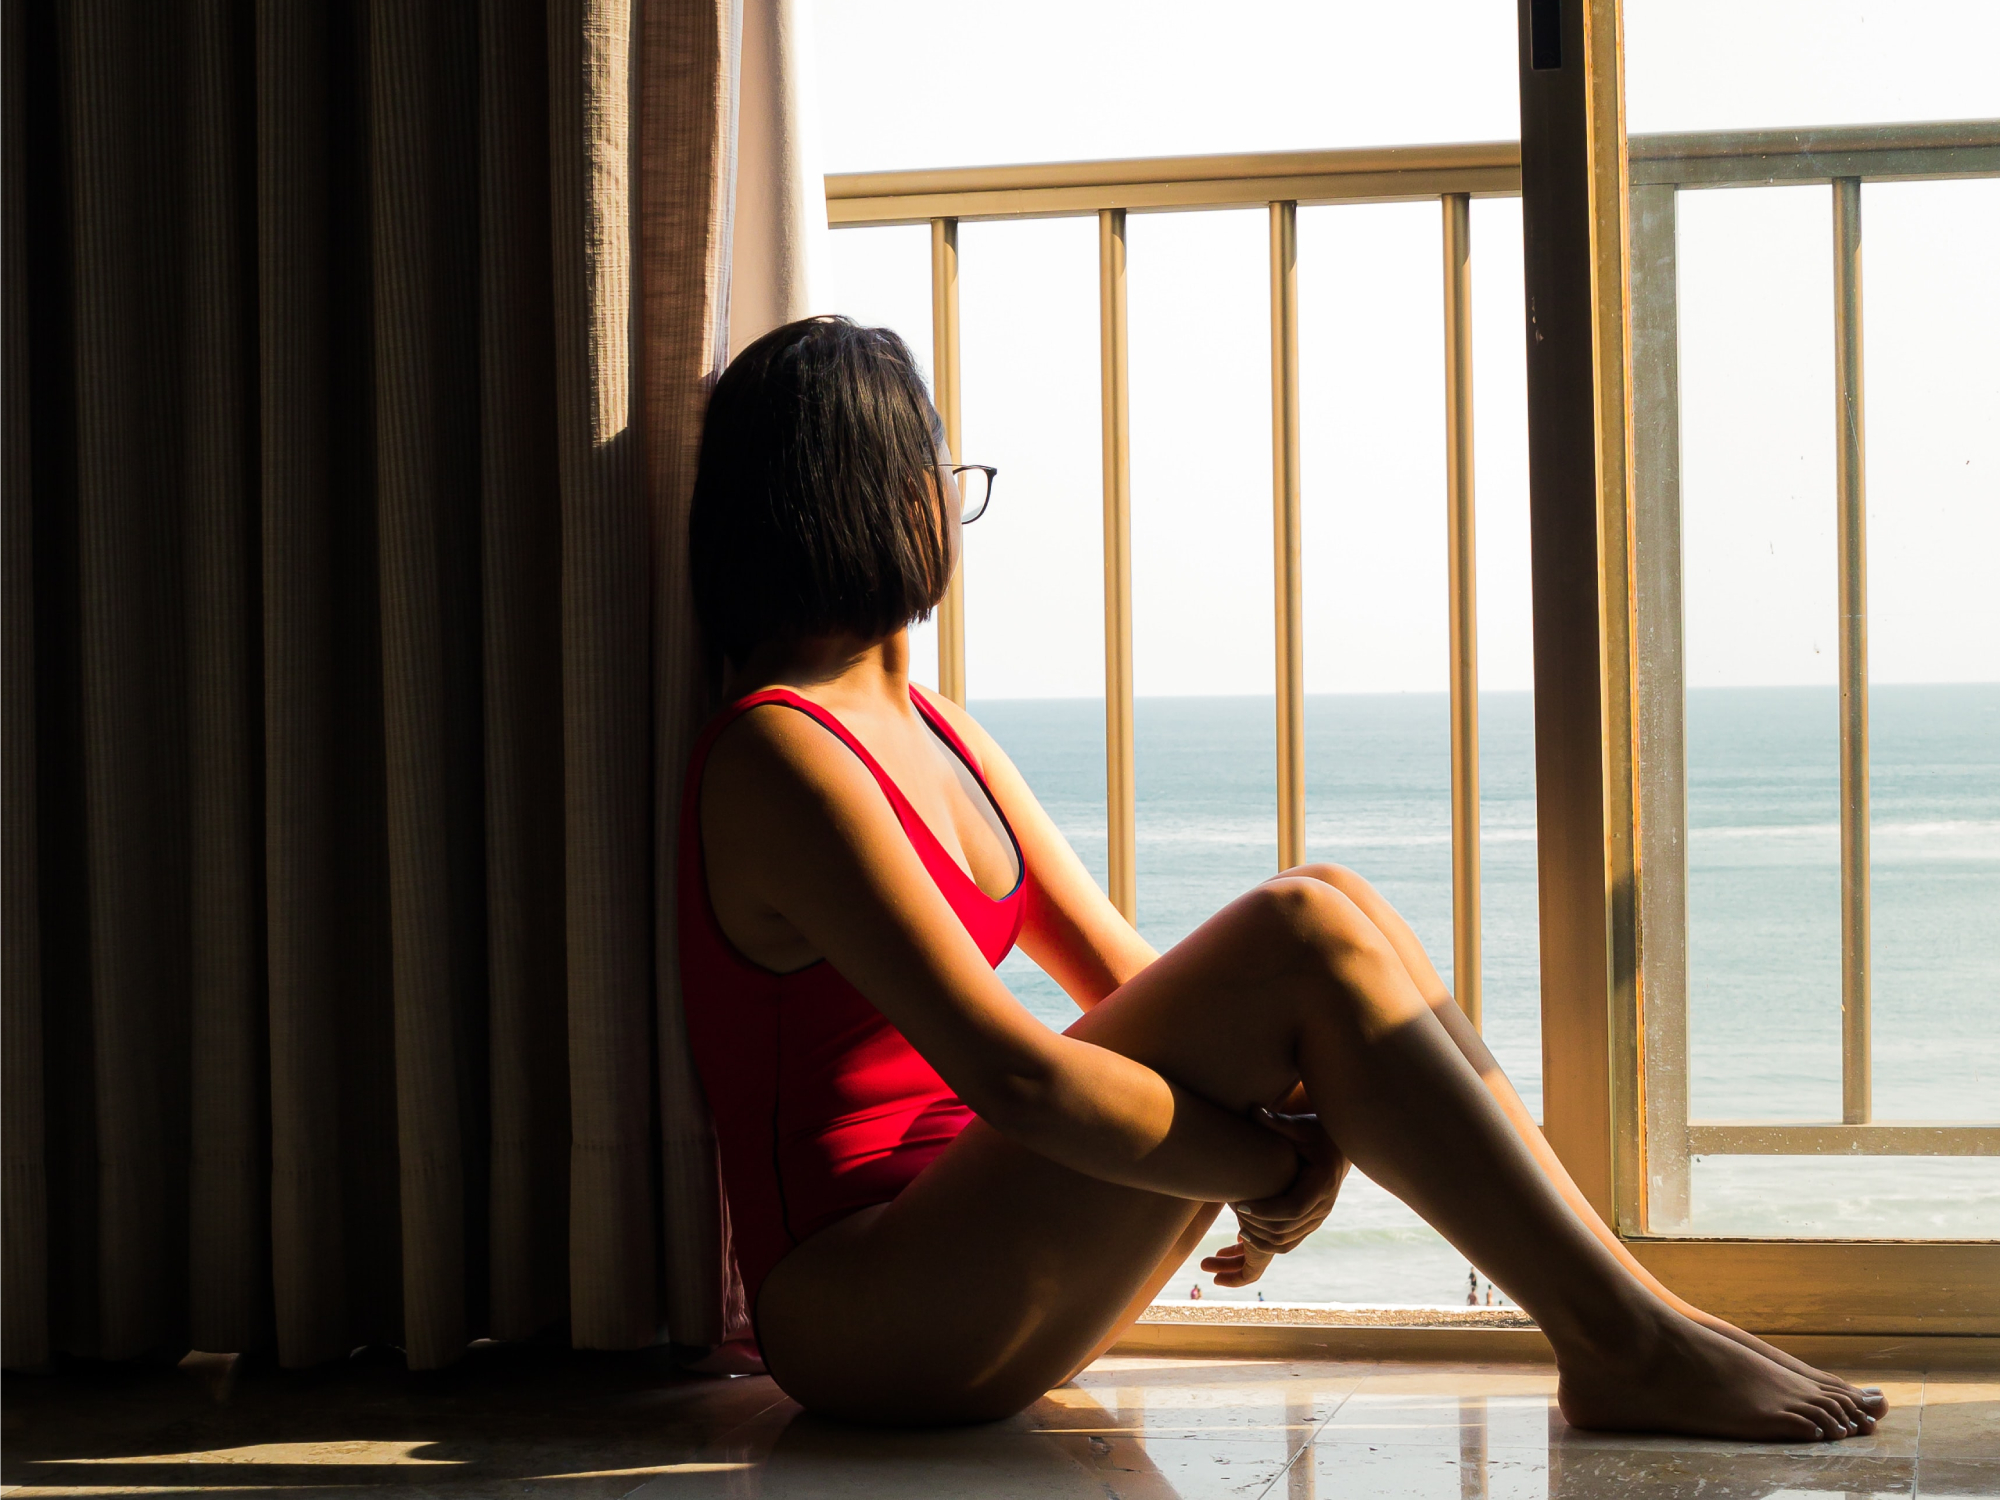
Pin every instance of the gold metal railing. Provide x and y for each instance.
(1114, 364)
(1288, 562)
(1852, 551)
(1660, 167)
(945, 388)
(1462, 571)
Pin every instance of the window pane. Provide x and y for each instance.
(1754, 236)
(1068, 82)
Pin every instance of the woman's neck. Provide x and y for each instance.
(835, 668)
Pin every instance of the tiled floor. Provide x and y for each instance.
(508, 1423)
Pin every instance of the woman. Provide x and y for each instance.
(941, 1208)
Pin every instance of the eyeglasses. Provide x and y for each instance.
(975, 488)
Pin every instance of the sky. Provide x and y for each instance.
(898, 84)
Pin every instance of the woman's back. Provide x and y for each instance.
(821, 1106)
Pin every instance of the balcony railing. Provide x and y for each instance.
(1660, 168)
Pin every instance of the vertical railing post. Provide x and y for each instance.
(1852, 531)
(1464, 613)
(944, 385)
(1288, 590)
(1121, 841)
(1660, 654)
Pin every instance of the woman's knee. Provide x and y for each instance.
(1309, 916)
(1342, 879)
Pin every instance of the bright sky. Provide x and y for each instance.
(903, 84)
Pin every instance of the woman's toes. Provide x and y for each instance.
(1836, 1418)
(1814, 1413)
(1867, 1397)
(1806, 1425)
(1851, 1410)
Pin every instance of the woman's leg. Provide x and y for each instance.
(1469, 1042)
(1135, 1309)
(997, 1270)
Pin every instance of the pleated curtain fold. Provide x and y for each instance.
(355, 357)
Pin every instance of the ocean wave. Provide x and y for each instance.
(1941, 841)
(1328, 1238)
(1332, 838)
(1939, 828)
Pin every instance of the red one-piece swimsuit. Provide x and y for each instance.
(821, 1107)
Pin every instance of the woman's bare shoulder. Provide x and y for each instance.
(773, 756)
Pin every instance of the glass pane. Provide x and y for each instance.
(1034, 565)
(1052, 80)
(1743, 241)
(1377, 760)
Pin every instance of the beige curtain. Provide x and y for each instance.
(778, 247)
(355, 360)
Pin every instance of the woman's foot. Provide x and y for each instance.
(1684, 1378)
(1868, 1400)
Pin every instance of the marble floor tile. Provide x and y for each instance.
(1749, 1473)
(1154, 1428)
(1962, 1417)
(1361, 1471)
(413, 1467)
(1190, 1468)
(1223, 1400)
(1489, 1408)
(1958, 1479)
(812, 1457)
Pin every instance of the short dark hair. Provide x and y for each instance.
(816, 508)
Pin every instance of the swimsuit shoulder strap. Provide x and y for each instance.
(825, 717)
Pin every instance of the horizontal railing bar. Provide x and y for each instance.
(1924, 135)
(1405, 185)
(1174, 170)
(1383, 174)
(1787, 1138)
(1771, 169)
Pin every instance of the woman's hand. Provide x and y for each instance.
(1272, 1226)
(1281, 1223)
(1237, 1264)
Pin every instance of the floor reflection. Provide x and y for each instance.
(1127, 1429)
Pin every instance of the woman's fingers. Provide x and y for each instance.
(1279, 1222)
(1236, 1265)
(1277, 1239)
(1311, 1213)
(1294, 1203)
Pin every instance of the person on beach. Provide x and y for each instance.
(940, 1208)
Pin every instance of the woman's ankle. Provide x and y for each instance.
(1622, 1330)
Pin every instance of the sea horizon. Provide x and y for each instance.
(1763, 923)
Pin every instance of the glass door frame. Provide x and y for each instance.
(1609, 736)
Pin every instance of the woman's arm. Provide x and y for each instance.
(793, 820)
(1077, 936)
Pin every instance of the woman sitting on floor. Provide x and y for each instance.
(941, 1208)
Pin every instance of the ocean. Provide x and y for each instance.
(1764, 926)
